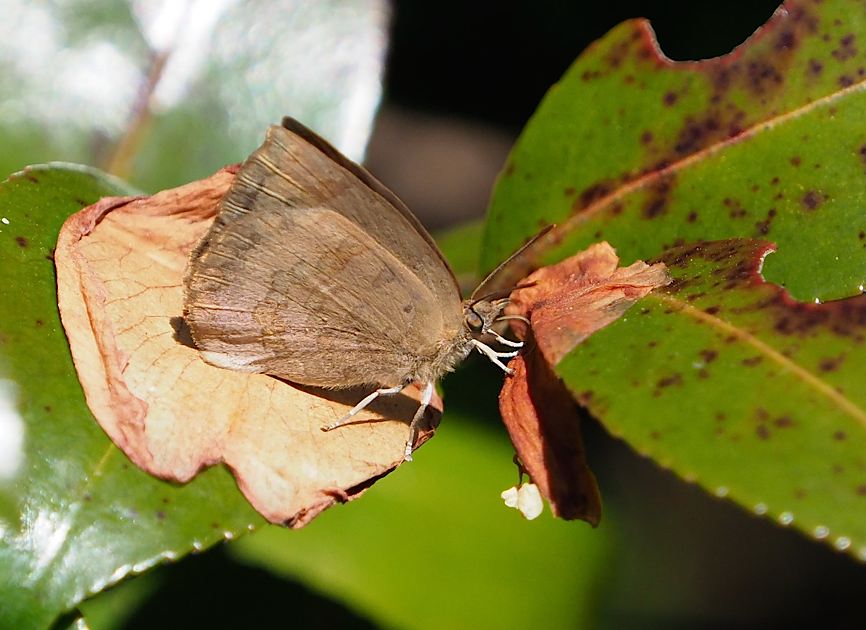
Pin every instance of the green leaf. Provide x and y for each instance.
(754, 396)
(165, 94)
(76, 515)
(461, 246)
(766, 142)
(433, 545)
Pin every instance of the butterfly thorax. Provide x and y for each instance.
(452, 349)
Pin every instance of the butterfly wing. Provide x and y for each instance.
(311, 274)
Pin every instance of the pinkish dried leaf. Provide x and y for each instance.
(120, 265)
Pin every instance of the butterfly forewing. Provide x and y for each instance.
(311, 274)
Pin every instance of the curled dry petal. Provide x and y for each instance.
(570, 300)
(565, 304)
(120, 265)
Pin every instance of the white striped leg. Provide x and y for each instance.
(385, 391)
(426, 397)
(494, 356)
(504, 341)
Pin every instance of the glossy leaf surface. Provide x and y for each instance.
(754, 396)
(76, 515)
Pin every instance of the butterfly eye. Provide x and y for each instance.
(473, 321)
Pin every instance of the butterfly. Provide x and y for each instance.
(314, 272)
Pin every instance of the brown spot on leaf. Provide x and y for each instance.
(591, 195)
(696, 134)
(812, 199)
(830, 364)
(569, 191)
(646, 137)
(786, 40)
(840, 436)
(762, 432)
(783, 422)
(796, 160)
(21, 241)
(763, 227)
(845, 81)
(861, 490)
(658, 197)
(708, 355)
(752, 361)
(669, 98)
(763, 77)
(846, 48)
(735, 208)
(667, 381)
(815, 67)
(692, 216)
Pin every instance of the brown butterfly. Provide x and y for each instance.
(315, 272)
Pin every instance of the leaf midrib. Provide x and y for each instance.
(842, 402)
(573, 222)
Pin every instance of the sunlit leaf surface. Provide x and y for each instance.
(766, 142)
(755, 396)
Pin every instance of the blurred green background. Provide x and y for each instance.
(431, 546)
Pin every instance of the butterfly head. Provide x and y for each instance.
(480, 315)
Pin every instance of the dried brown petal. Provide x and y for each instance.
(120, 265)
(570, 300)
(541, 419)
(565, 304)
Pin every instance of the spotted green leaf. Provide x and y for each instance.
(766, 142)
(731, 383)
(750, 390)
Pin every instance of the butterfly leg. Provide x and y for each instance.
(494, 356)
(426, 397)
(504, 341)
(385, 391)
